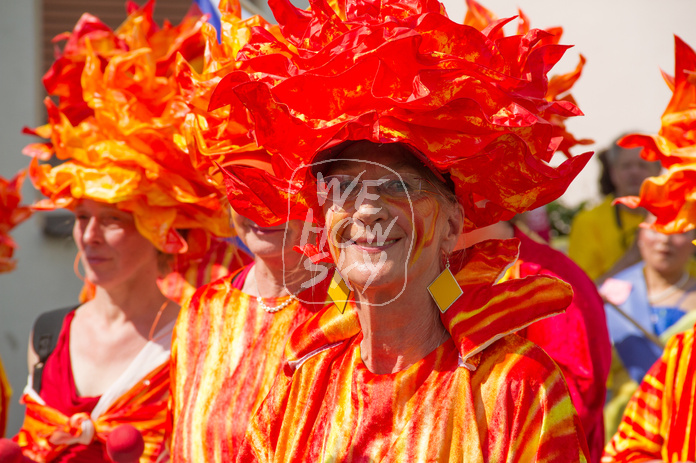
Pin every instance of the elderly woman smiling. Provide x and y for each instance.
(409, 218)
(395, 129)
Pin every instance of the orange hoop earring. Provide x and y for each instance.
(76, 267)
(88, 290)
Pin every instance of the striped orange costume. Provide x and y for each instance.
(142, 406)
(483, 396)
(660, 420)
(472, 107)
(226, 353)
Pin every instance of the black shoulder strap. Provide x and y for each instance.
(46, 330)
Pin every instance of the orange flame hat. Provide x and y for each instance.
(11, 215)
(671, 197)
(223, 136)
(559, 86)
(118, 126)
(476, 104)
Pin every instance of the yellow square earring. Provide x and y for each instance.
(445, 290)
(339, 291)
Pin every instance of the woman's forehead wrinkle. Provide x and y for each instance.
(364, 163)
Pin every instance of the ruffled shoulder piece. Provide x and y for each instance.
(488, 310)
(325, 329)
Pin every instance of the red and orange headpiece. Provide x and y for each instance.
(12, 213)
(671, 197)
(476, 105)
(222, 136)
(118, 127)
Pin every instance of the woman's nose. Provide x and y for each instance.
(369, 206)
(91, 231)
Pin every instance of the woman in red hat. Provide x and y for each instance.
(395, 129)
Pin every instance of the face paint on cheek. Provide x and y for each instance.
(425, 211)
(336, 221)
(422, 215)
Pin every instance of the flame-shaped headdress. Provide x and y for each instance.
(671, 197)
(220, 137)
(118, 127)
(474, 104)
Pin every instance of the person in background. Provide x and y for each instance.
(138, 202)
(602, 239)
(12, 213)
(394, 120)
(655, 293)
(228, 344)
(577, 340)
(659, 420)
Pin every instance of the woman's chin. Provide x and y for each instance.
(389, 278)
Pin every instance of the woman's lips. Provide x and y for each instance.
(266, 230)
(375, 245)
(94, 260)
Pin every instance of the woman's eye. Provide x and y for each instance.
(347, 186)
(112, 221)
(397, 187)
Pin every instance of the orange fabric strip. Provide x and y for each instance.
(144, 406)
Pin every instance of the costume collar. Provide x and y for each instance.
(486, 312)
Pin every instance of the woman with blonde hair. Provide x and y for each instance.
(139, 204)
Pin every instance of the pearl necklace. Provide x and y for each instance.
(266, 307)
(669, 291)
(277, 308)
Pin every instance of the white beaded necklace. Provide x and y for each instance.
(662, 295)
(266, 307)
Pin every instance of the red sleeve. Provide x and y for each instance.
(578, 340)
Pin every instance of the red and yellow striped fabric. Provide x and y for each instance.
(144, 406)
(481, 396)
(513, 407)
(221, 259)
(660, 420)
(226, 354)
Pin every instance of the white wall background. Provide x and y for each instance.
(44, 278)
(625, 42)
